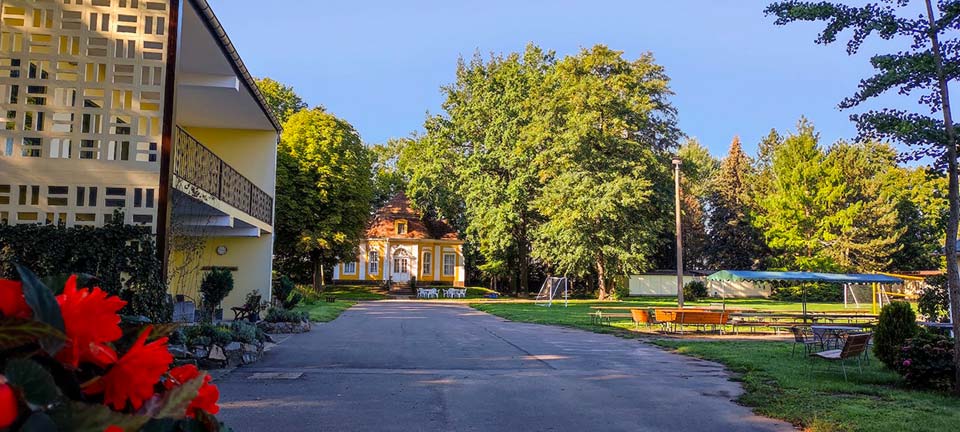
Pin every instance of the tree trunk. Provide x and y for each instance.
(950, 248)
(602, 292)
(317, 272)
(524, 287)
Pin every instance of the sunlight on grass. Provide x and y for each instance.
(814, 394)
(325, 312)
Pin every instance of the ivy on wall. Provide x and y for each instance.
(123, 258)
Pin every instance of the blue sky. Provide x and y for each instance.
(380, 64)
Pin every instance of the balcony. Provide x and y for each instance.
(194, 163)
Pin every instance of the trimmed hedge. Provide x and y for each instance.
(122, 257)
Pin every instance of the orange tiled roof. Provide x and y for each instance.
(383, 224)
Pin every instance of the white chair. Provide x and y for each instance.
(421, 293)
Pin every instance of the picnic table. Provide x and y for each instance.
(825, 334)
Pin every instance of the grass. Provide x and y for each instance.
(323, 311)
(777, 384)
(352, 292)
(577, 313)
(814, 395)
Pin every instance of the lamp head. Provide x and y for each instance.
(677, 161)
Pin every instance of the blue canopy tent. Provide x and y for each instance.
(778, 276)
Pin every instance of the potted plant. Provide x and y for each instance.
(215, 287)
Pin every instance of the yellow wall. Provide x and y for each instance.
(251, 152)
(252, 257)
(436, 248)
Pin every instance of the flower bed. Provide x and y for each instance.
(281, 321)
(218, 347)
(67, 363)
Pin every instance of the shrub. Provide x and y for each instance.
(695, 290)
(926, 361)
(934, 301)
(897, 323)
(277, 315)
(206, 333)
(215, 287)
(246, 332)
(122, 257)
(621, 289)
(285, 291)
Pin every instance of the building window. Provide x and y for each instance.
(373, 258)
(350, 268)
(427, 262)
(449, 263)
(401, 227)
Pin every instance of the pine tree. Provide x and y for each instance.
(734, 242)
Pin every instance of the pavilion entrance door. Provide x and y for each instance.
(401, 266)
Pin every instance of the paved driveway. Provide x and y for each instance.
(408, 366)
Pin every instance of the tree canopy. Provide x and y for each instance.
(325, 190)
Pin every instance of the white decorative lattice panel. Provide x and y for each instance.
(81, 105)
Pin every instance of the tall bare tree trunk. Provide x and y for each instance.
(950, 249)
(317, 272)
(602, 292)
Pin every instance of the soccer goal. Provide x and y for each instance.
(554, 288)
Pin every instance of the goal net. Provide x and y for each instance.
(554, 288)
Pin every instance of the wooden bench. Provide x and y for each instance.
(700, 318)
(249, 310)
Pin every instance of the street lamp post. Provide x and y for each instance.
(676, 176)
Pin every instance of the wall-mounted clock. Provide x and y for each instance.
(221, 250)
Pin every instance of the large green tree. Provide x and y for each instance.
(734, 242)
(868, 236)
(927, 66)
(606, 182)
(282, 99)
(483, 150)
(803, 197)
(324, 191)
(698, 169)
(388, 179)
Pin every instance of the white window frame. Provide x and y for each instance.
(427, 263)
(348, 266)
(401, 264)
(373, 259)
(405, 229)
(453, 264)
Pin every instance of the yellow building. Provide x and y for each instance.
(143, 106)
(401, 244)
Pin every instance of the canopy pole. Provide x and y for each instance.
(803, 290)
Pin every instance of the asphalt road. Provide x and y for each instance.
(404, 366)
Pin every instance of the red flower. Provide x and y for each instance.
(133, 377)
(208, 396)
(113, 428)
(91, 321)
(12, 303)
(8, 404)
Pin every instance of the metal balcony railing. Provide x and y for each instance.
(196, 164)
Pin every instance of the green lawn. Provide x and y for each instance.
(781, 386)
(577, 313)
(354, 292)
(324, 312)
(777, 384)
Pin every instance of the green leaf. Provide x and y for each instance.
(81, 417)
(16, 332)
(33, 380)
(39, 422)
(44, 305)
(174, 404)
